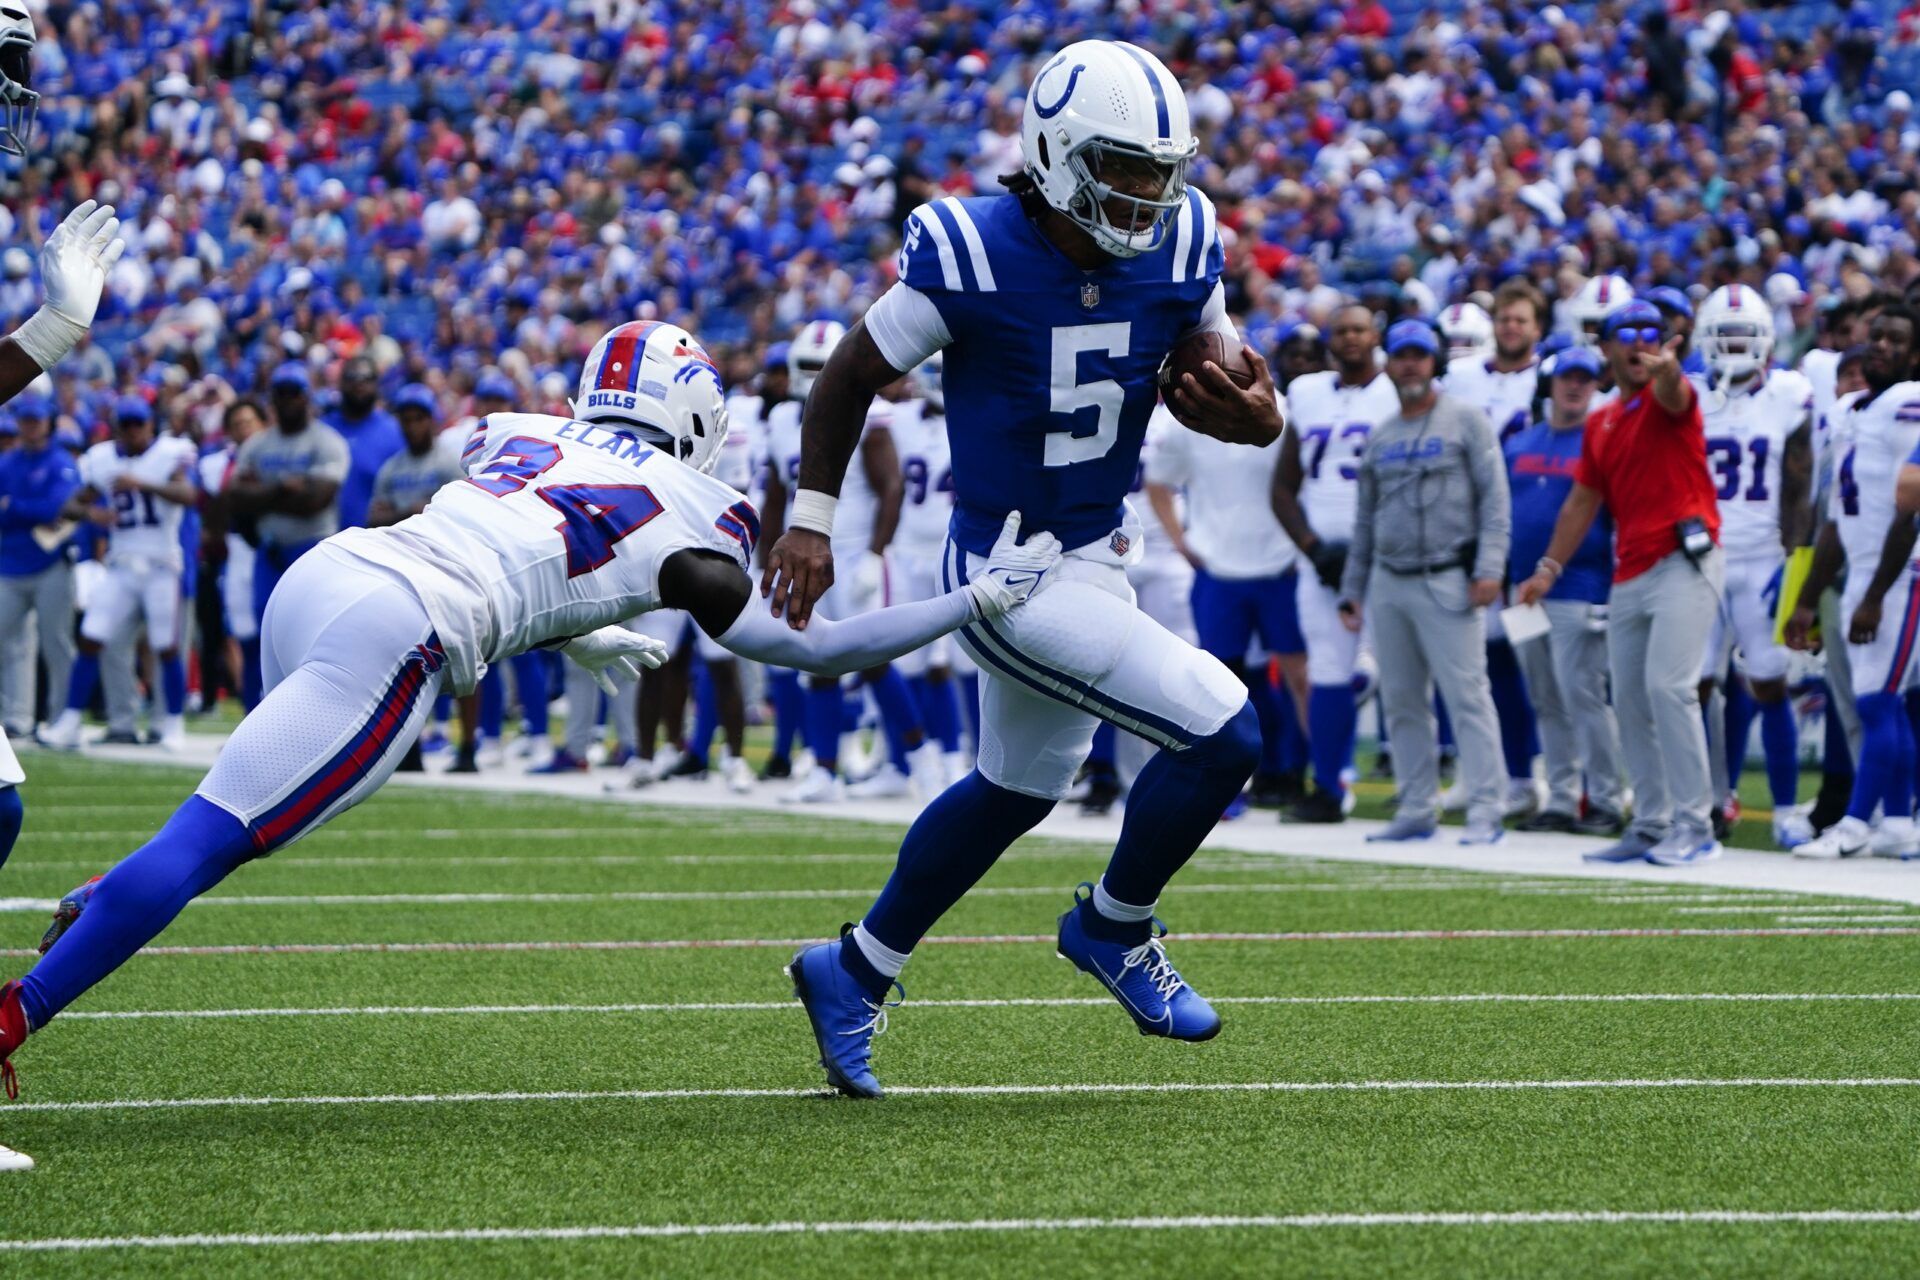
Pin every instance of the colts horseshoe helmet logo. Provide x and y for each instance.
(1040, 108)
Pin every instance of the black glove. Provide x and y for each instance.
(1329, 561)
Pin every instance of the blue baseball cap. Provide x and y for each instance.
(1572, 359)
(30, 404)
(291, 373)
(417, 395)
(1668, 298)
(1417, 334)
(776, 357)
(1298, 331)
(1635, 313)
(132, 408)
(493, 385)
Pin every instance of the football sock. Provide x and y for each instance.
(939, 710)
(1175, 802)
(1511, 706)
(1780, 740)
(706, 713)
(789, 709)
(198, 847)
(949, 847)
(1742, 708)
(173, 684)
(1885, 775)
(1101, 760)
(1266, 708)
(13, 813)
(1293, 749)
(825, 710)
(1331, 718)
(493, 707)
(82, 681)
(885, 961)
(530, 673)
(899, 718)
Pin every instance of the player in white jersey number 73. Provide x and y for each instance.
(562, 528)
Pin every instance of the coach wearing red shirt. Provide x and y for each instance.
(1645, 457)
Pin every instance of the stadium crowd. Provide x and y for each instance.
(417, 214)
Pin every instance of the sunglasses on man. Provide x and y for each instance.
(1650, 334)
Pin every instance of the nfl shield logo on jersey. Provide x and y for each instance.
(1089, 295)
(1119, 542)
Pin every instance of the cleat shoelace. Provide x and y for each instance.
(878, 1022)
(1151, 958)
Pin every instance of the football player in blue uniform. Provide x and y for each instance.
(1055, 305)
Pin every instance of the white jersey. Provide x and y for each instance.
(926, 470)
(858, 508)
(1874, 440)
(559, 528)
(1747, 433)
(146, 527)
(1505, 396)
(1334, 421)
(1821, 368)
(1230, 523)
(747, 430)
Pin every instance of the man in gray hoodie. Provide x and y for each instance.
(1430, 545)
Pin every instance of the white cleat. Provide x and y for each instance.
(818, 787)
(173, 734)
(491, 755)
(886, 783)
(1841, 840)
(1525, 796)
(1453, 799)
(14, 1161)
(64, 733)
(1895, 838)
(738, 775)
(532, 746)
(928, 769)
(958, 765)
(1791, 829)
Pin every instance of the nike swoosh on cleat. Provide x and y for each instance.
(1165, 1018)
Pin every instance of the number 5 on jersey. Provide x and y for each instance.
(1070, 395)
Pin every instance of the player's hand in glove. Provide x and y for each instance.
(869, 573)
(1329, 560)
(73, 271)
(611, 652)
(1014, 570)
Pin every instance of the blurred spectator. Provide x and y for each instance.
(411, 477)
(371, 433)
(287, 479)
(37, 477)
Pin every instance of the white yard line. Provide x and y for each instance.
(987, 1091)
(1036, 1002)
(1520, 854)
(936, 1226)
(1022, 939)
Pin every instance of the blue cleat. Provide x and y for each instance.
(845, 1017)
(1140, 977)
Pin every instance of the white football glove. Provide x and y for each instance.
(1014, 570)
(869, 572)
(73, 271)
(616, 651)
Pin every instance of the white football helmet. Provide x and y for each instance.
(1099, 110)
(807, 354)
(656, 381)
(19, 104)
(928, 379)
(1469, 331)
(1734, 332)
(1598, 298)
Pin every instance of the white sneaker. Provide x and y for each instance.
(64, 733)
(1525, 796)
(1895, 838)
(12, 1161)
(737, 773)
(1791, 829)
(532, 746)
(1841, 840)
(665, 760)
(958, 765)
(1453, 799)
(818, 787)
(491, 755)
(928, 769)
(886, 783)
(634, 774)
(173, 734)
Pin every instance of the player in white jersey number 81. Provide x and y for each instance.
(561, 529)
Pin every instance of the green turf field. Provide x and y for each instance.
(631, 1109)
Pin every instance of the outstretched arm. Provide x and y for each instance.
(74, 264)
(799, 569)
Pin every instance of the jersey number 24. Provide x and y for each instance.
(593, 517)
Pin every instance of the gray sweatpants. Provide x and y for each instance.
(1658, 630)
(583, 705)
(48, 595)
(1425, 634)
(1839, 673)
(1566, 673)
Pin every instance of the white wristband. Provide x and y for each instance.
(813, 510)
(46, 335)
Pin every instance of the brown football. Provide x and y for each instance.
(1193, 353)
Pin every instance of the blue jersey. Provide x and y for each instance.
(1051, 371)
(1540, 468)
